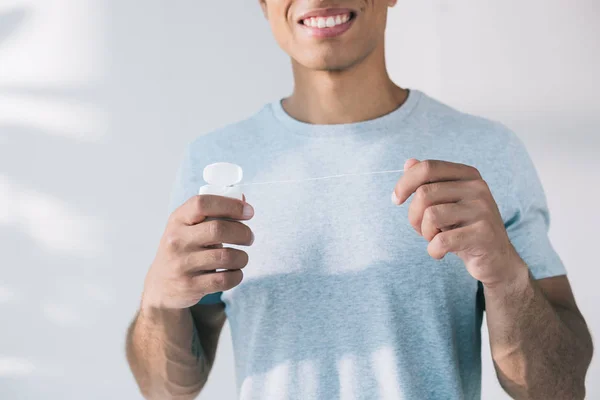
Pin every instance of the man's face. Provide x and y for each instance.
(327, 34)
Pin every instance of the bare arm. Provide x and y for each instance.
(540, 343)
(172, 342)
(171, 355)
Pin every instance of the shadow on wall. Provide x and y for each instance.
(52, 298)
(10, 21)
(79, 191)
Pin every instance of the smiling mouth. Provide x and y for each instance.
(327, 22)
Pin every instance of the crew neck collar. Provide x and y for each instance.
(383, 122)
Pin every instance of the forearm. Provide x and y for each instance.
(539, 351)
(166, 356)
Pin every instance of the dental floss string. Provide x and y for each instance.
(321, 178)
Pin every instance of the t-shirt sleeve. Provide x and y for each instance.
(528, 225)
(188, 180)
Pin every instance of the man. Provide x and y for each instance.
(346, 294)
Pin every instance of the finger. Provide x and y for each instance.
(213, 259)
(436, 193)
(214, 282)
(199, 207)
(411, 162)
(218, 231)
(444, 217)
(451, 241)
(431, 171)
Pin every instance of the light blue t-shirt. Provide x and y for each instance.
(340, 299)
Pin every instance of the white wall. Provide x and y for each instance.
(98, 99)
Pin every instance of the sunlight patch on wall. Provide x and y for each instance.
(6, 295)
(52, 53)
(59, 42)
(13, 366)
(85, 289)
(54, 116)
(60, 314)
(52, 223)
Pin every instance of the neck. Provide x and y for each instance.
(360, 93)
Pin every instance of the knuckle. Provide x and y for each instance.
(238, 208)
(236, 258)
(481, 186)
(223, 256)
(474, 171)
(209, 257)
(209, 284)
(188, 260)
(423, 192)
(173, 241)
(216, 229)
(483, 229)
(428, 166)
(485, 226)
(185, 284)
(444, 240)
(217, 281)
(172, 219)
(221, 281)
(480, 206)
(201, 204)
(434, 213)
(431, 215)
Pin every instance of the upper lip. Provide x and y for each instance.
(325, 12)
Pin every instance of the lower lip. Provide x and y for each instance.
(329, 32)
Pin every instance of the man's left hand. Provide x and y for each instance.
(454, 210)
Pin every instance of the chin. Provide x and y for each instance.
(327, 62)
(328, 66)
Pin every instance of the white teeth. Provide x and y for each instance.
(326, 22)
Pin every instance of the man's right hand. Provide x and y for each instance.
(191, 249)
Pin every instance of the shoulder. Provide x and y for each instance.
(489, 145)
(470, 138)
(453, 122)
(234, 135)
